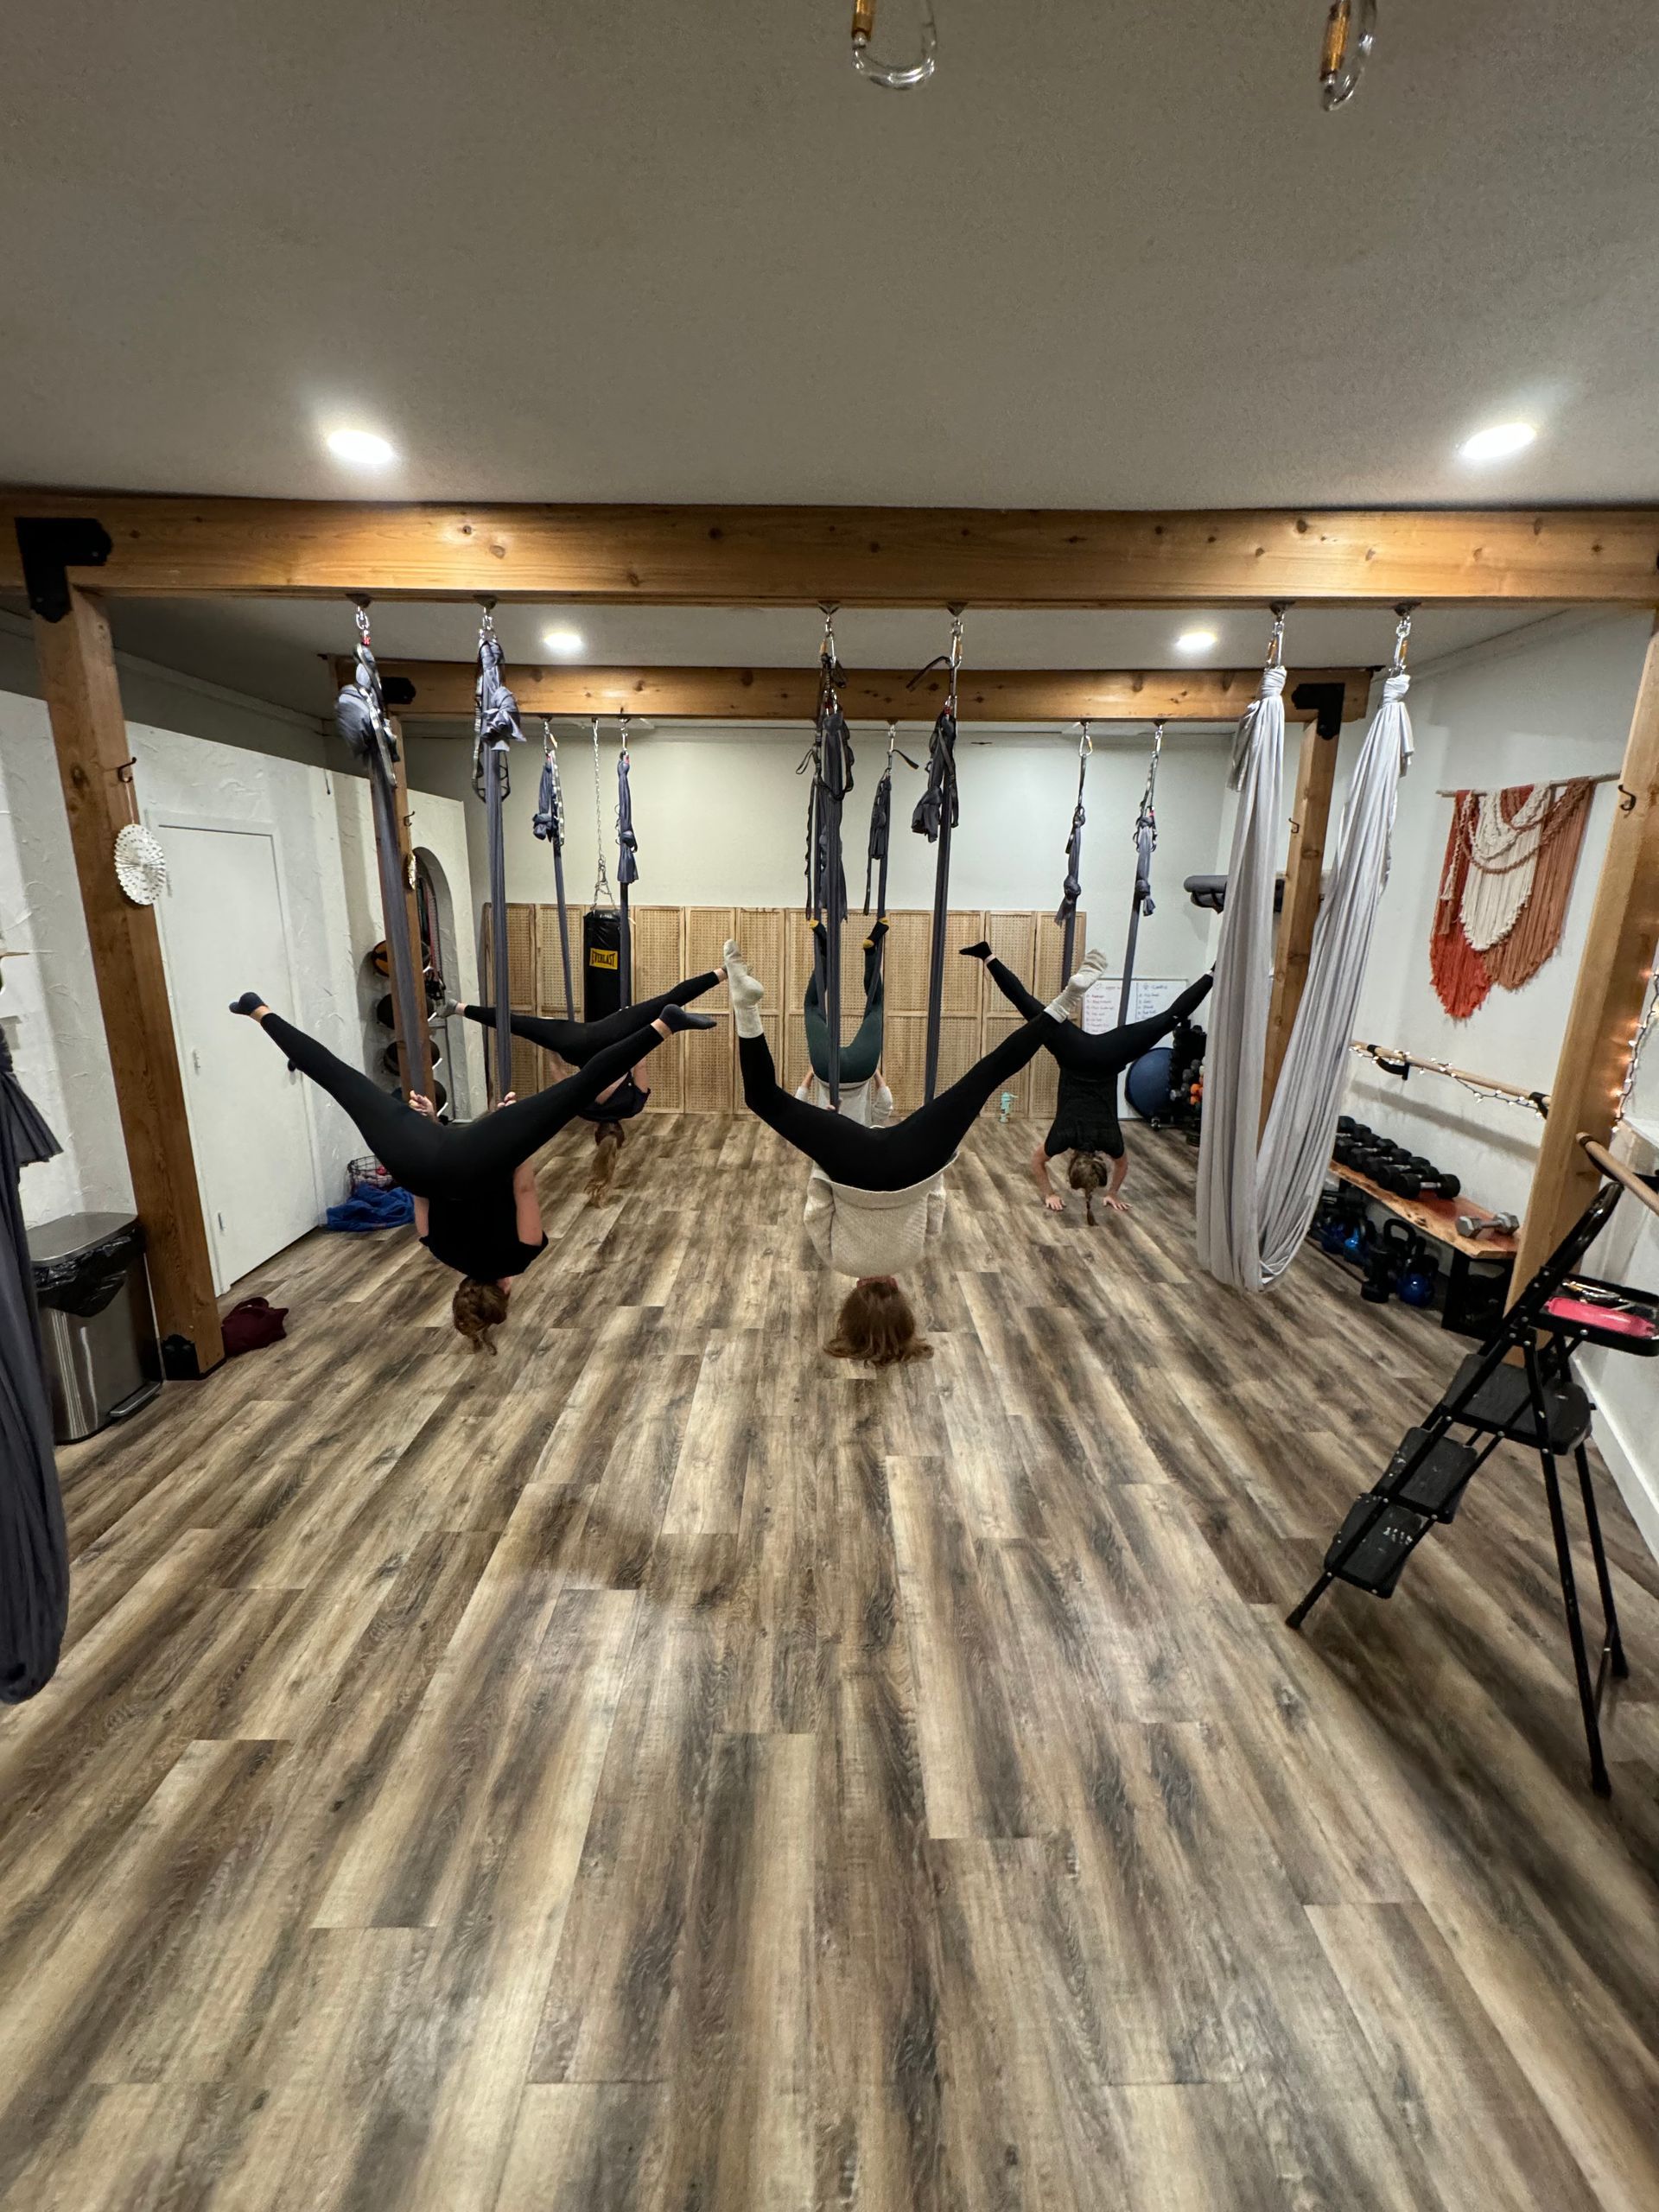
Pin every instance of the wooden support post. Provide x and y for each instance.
(410, 920)
(1316, 775)
(83, 697)
(1608, 997)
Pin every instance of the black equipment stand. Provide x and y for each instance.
(1538, 1403)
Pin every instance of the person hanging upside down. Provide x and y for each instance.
(573, 1043)
(1085, 1123)
(865, 1097)
(474, 1189)
(875, 1195)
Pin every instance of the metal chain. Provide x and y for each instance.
(602, 894)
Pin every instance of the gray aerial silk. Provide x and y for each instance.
(33, 1548)
(1254, 1204)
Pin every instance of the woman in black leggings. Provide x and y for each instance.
(574, 1044)
(474, 1189)
(875, 1195)
(1085, 1113)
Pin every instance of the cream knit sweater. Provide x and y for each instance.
(873, 1232)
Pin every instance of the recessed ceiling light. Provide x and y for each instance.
(1497, 442)
(566, 643)
(362, 448)
(1195, 641)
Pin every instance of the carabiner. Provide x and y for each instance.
(1350, 35)
(895, 78)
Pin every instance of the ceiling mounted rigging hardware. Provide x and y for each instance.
(896, 77)
(1350, 35)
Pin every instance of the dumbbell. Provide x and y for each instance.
(1408, 1183)
(1501, 1224)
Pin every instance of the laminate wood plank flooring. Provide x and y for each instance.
(664, 1769)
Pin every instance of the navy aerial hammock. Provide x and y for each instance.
(1072, 889)
(1146, 843)
(549, 826)
(627, 862)
(937, 815)
(831, 762)
(876, 864)
(495, 726)
(360, 718)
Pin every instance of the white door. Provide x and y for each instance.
(223, 932)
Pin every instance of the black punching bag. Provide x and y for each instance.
(602, 963)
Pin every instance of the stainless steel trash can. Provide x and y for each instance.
(102, 1359)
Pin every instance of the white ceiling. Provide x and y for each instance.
(1115, 254)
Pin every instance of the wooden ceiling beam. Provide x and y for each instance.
(853, 557)
(443, 691)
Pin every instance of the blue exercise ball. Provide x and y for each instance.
(1146, 1083)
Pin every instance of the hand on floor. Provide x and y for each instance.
(1055, 1205)
(1117, 1205)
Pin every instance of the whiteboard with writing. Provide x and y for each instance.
(1148, 994)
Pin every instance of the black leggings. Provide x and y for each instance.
(905, 1152)
(1112, 1050)
(860, 1058)
(577, 1041)
(435, 1160)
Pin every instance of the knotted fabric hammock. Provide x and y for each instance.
(1255, 1206)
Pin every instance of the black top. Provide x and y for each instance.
(477, 1235)
(624, 1103)
(1085, 1114)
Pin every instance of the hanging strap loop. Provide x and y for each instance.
(603, 895)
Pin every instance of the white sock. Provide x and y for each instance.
(746, 994)
(1069, 1005)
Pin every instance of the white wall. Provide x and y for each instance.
(322, 823)
(1552, 702)
(721, 820)
(1548, 703)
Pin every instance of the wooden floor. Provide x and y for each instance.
(665, 1769)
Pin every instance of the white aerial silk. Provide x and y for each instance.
(1503, 864)
(1254, 1210)
(1235, 1058)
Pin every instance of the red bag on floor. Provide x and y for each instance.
(254, 1323)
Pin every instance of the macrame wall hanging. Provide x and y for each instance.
(1504, 887)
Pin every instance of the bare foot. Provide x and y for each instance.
(1055, 1205)
(423, 1104)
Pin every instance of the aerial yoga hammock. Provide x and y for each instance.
(864, 1097)
(33, 1549)
(936, 816)
(1258, 1188)
(475, 1204)
(1072, 889)
(876, 1194)
(360, 718)
(1086, 1111)
(549, 826)
(830, 759)
(495, 726)
(1146, 844)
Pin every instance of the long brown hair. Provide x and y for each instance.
(875, 1324)
(609, 1140)
(1089, 1173)
(479, 1309)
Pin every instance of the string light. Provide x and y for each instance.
(1402, 1063)
(1639, 1036)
